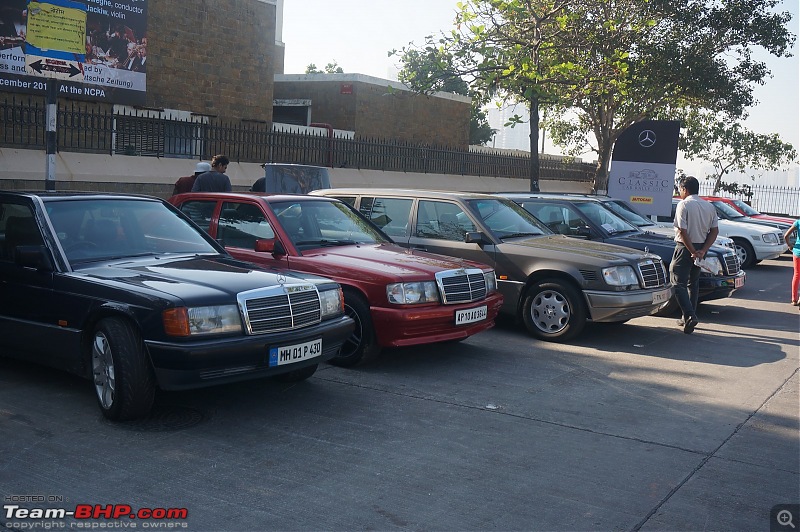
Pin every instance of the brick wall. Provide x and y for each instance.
(371, 108)
(212, 57)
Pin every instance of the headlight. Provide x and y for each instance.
(200, 321)
(410, 293)
(712, 265)
(331, 302)
(620, 276)
(491, 281)
(770, 238)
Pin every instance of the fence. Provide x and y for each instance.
(764, 198)
(82, 128)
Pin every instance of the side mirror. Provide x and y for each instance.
(33, 257)
(583, 232)
(270, 245)
(475, 237)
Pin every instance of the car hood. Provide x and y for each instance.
(731, 227)
(575, 250)
(212, 279)
(382, 261)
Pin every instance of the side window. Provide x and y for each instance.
(241, 224)
(18, 227)
(390, 214)
(444, 220)
(555, 217)
(350, 200)
(200, 212)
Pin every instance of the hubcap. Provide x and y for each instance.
(353, 342)
(550, 312)
(741, 253)
(103, 370)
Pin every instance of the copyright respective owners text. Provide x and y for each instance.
(54, 512)
(783, 517)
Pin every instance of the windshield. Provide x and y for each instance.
(726, 210)
(315, 224)
(506, 219)
(626, 212)
(604, 217)
(745, 208)
(100, 229)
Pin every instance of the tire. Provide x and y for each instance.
(121, 374)
(362, 344)
(298, 374)
(553, 311)
(745, 252)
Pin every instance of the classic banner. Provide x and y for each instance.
(643, 166)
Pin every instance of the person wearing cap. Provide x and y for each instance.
(185, 184)
(215, 180)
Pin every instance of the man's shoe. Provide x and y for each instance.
(688, 327)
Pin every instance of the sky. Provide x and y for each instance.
(358, 34)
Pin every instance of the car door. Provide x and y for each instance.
(28, 323)
(240, 225)
(440, 226)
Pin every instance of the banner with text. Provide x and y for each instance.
(643, 166)
(94, 49)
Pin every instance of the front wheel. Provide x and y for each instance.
(121, 374)
(553, 311)
(362, 343)
(747, 257)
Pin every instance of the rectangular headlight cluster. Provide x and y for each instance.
(201, 321)
(411, 293)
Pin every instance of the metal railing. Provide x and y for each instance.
(86, 129)
(763, 198)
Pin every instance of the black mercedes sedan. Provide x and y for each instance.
(129, 293)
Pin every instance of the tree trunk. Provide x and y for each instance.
(601, 172)
(534, 123)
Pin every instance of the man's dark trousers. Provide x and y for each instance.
(685, 277)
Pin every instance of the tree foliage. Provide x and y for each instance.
(603, 65)
(730, 147)
(330, 68)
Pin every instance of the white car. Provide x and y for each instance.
(753, 242)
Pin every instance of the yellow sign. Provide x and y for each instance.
(641, 200)
(52, 27)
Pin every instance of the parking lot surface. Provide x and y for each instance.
(628, 427)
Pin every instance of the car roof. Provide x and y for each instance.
(439, 194)
(266, 196)
(567, 196)
(57, 195)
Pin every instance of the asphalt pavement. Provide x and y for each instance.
(628, 427)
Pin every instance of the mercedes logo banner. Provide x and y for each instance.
(643, 166)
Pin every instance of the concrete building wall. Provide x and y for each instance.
(377, 108)
(25, 170)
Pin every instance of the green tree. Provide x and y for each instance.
(730, 147)
(603, 65)
(431, 65)
(330, 68)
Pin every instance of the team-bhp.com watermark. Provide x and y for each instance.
(94, 516)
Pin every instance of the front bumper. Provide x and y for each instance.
(617, 306)
(207, 362)
(719, 287)
(404, 326)
(764, 251)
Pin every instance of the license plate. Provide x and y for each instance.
(289, 354)
(738, 282)
(471, 315)
(662, 296)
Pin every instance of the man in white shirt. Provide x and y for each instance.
(695, 231)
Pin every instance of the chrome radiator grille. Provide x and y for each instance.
(732, 263)
(461, 286)
(280, 308)
(653, 273)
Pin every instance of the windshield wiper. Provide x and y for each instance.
(324, 242)
(515, 235)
